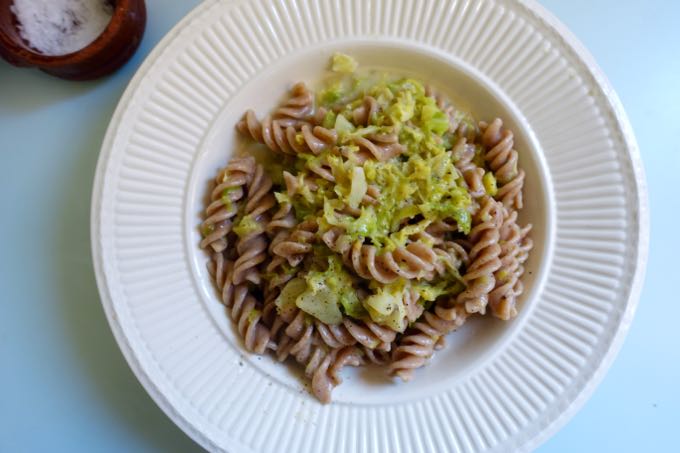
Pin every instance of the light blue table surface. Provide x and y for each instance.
(64, 385)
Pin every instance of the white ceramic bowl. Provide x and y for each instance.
(497, 386)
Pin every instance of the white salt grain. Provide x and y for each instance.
(59, 27)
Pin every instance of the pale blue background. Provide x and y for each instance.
(64, 386)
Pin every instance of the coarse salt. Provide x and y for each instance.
(59, 27)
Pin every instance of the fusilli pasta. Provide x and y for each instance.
(484, 257)
(419, 343)
(502, 159)
(387, 218)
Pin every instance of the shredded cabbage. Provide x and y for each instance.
(432, 119)
(423, 182)
(289, 294)
(246, 225)
(321, 303)
(323, 294)
(358, 187)
(418, 187)
(253, 315)
(331, 94)
(343, 63)
(386, 306)
(489, 181)
(226, 196)
(329, 120)
(404, 109)
(342, 125)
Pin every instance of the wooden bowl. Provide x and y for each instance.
(105, 54)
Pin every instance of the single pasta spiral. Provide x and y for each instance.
(299, 105)
(282, 136)
(351, 331)
(418, 344)
(288, 242)
(381, 147)
(289, 129)
(225, 201)
(484, 257)
(502, 159)
(300, 340)
(272, 133)
(411, 261)
(282, 220)
(295, 338)
(513, 240)
(243, 307)
(472, 174)
(294, 246)
(252, 247)
(311, 139)
(297, 110)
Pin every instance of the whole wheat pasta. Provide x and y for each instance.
(252, 243)
(472, 174)
(367, 333)
(502, 159)
(508, 284)
(228, 191)
(243, 307)
(385, 218)
(419, 343)
(484, 257)
(282, 220)
(298, 105)
(381, 148)
(294, 246)
(364, 112)
(410, 261)
(322, 365)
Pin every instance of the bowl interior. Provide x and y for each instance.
(480, 338)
